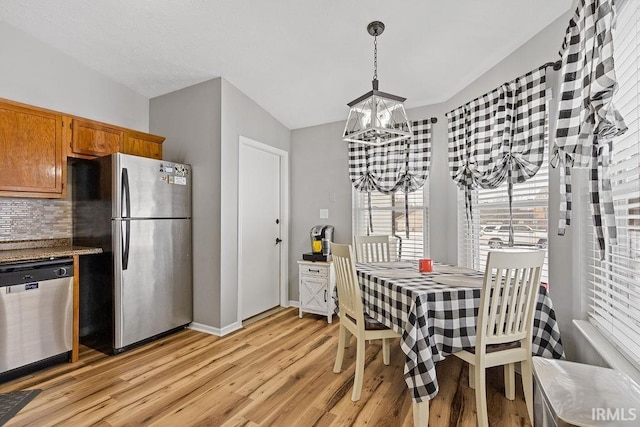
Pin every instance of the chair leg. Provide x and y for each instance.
(510, 381)
(337, 367)
(386, 351)
(357, 380)
(347, 338)
(472, 376)
(481, 396)
(527, 385)
(421, 414)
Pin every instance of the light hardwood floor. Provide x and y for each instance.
(277, 371)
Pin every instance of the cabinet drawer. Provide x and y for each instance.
(314, 271)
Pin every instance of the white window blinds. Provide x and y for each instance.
(388, 218)
(490, 228)
(614, 283)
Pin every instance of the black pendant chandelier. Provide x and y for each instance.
(376, 118)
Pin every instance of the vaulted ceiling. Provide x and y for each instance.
(301, 60)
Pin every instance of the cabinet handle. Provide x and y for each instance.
(315, 271)
(325, 295)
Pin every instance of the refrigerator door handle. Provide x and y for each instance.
(125, 195)
(126, 238)
(126, 213)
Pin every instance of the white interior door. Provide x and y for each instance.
(260, 225)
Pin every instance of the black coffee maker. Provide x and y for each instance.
(321, 237)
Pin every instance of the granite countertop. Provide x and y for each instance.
(25, 250)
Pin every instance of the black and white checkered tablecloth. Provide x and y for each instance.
(437, 320)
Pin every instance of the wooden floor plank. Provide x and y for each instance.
(304, 396)
(446, 404)
(271, 372)
(143, 404)
(207, 411)
(277, 371)
(278, 391)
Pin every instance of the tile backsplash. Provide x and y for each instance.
(35, 219)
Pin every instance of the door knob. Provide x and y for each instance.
(278, 240)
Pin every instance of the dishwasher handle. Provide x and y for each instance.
(35, 271)
(32, 265)
(21, 288)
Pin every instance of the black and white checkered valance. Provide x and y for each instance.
(499, 136)
(587, 119)
(397, 166)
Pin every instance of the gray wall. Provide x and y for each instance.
(203, 124)
(319, 180)
(35, 73)
(321, 147)
(190, 119)
(241, 116)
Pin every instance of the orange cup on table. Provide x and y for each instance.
(426, 265)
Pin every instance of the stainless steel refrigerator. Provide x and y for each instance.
(138, 210)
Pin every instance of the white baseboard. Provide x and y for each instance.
(294, 303)
(219, 332)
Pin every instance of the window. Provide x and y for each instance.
(613, 284)
(389, 217)
(490, 228)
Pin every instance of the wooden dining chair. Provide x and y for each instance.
(372, 249)
(505, 325)
(353, 320)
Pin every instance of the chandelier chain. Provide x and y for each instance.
(375, 57)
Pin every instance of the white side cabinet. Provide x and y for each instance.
(317, 283)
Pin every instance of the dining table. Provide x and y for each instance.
(436, 312)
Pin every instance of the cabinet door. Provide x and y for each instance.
(30, 152)
(95, 139)
(313, 294)
(143, 144)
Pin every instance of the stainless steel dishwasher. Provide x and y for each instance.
(36, 313)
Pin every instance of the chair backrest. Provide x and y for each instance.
(349, 294)
(372, 248)
(509, 294)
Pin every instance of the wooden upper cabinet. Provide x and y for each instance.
(91, 138)
(143, 144)
(31, 155)
(35, 144)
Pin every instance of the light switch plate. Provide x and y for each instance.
(324, 213)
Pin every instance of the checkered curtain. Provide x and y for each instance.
(398, 166)
(499, 136)
(587, 119)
